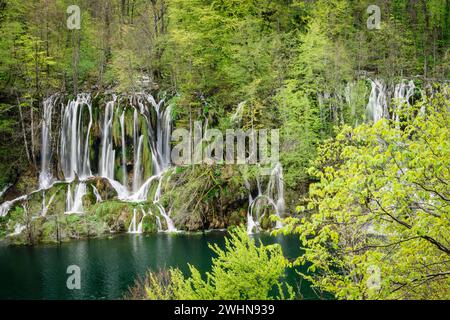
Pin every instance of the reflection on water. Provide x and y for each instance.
(108, 266)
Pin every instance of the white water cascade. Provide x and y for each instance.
(402, 96)
(74, 203)
(377, 107)
(137, 176)
(18, 229)
(98, 197)
(74, 146)
(170, 225)
(166, 216)
(45, 176)
(45, 206)
(107, 155)
(5, 188)
(135, 227)
(380, 104)
(132, 228)
(158, 133)
(5, 206)
(124, 149)
(273, 195)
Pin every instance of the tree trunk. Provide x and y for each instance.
(24, 134)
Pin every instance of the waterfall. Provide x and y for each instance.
(132, 227)
(251, 225)
(166, 216)
(275, 190)
(380, 96)
(46, 206)
(74, 147)
(5, 206)
(139, 228)
(75, 143)
(159, 136)
(377, 105)
(402, 95)
(274, 195)
(5, 188)
(159, 142)
(74, 204)
(107, 156)
(158, 223)
(170, 225)
(69, 199)
(18, 229)
(137, 176)
(45, 176)
(98, 198)
(124, 149)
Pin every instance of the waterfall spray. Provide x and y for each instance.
(74, 145)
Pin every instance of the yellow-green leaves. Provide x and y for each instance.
(379, 227)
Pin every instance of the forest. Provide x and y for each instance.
(355, 96)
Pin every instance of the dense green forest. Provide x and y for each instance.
(367, 195)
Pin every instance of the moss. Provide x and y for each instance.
(49, 233)
(266, 223)
(149, 224)
(237, 218)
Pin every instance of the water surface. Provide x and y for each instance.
(110, 266)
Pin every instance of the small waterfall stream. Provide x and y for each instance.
(380, 104)
(107, 156)
(273, 195)
(74, 203)
(74, 144)
(45, 176)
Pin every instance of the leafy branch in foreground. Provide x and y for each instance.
(243, 270)
(377, 225)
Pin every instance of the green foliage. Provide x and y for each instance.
(243, 270)
(382, 203)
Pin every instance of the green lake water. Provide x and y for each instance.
(110, 266)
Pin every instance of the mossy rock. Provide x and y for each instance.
(149, 224)
(237, 217)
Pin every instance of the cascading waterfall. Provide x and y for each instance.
(5, 206)
(275, 190)
(139, 228)
(74, 203)
(98, 197)
(74, 148)
(124, 149)
(274, 195)
(132, 227)
(45, 206)
(107, 156)
(137, 177)
(402, 95)
(380, 99)
(45, 176)
(158, 223)
(377, 106)
(159, 136)
(170, 225)
(159, 145)
(166, 216)
(18, 229)
(75, 143)
(5, 188)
